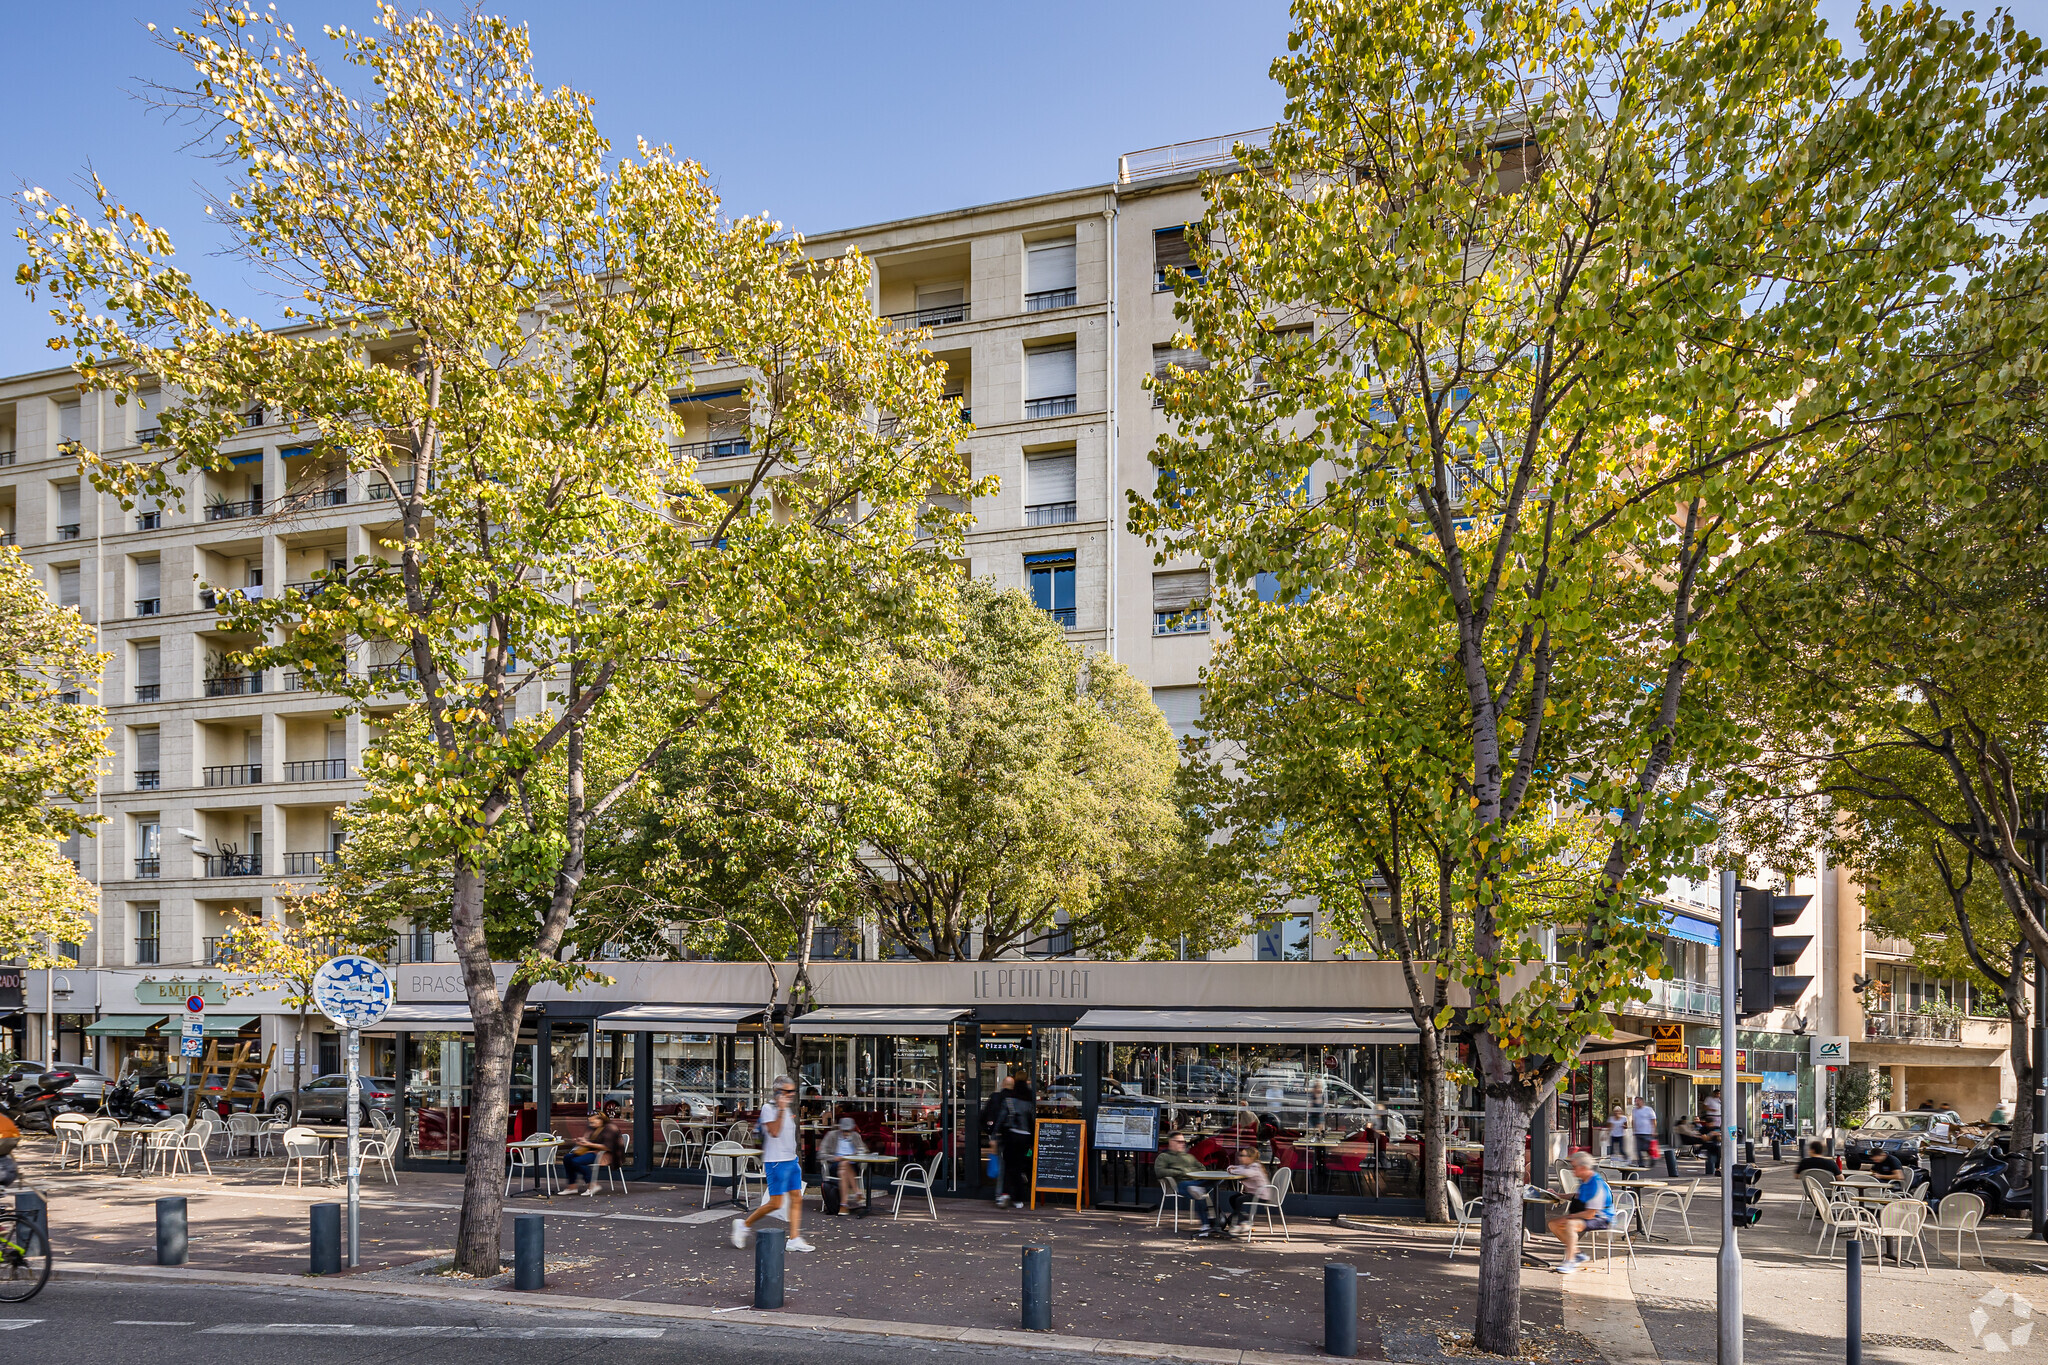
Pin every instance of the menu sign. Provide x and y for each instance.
(1127, 1128)
(1056, 1158)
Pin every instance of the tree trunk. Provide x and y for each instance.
(1498, 1323)
(2023, 1062)
(479, 1239)
(1435, 1129)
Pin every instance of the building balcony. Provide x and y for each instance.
(243, 685)
(148, 869)
(1044, 300)
(1180, 622)
(218, 953)
(1059, 405)
(720, 448)
(233, 775)
(1913, 1028)
(147, 435)
(314, 498)
(149, 692)
(1684, 997)
(1049, 514)
(252, 419)
(7, 538)
(67, 530)
(307, 864)
(149, 521)
(1065, 616)
(149, 606)
(224, 510)
(234, 865)
(146, 952)
(218, 599)
(381, 491)
(316, 770)
(939, 315)
(148, 779)
(417, 946)
(391, 675)
(295, 681)
(6, 458)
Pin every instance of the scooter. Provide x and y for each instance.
(1990, 1173)
(46, 1099)
(131, 1104)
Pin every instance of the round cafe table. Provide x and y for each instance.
(1216, 1181)
(867, 1161)
(1641, 1186)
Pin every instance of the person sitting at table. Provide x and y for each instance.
(1887, 1166)
(842, 1142)
(1817, 1159)
(1591, 1209)
(1179, 1165)
(1252, 1186)
(580, 1158)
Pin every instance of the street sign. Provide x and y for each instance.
(352, 991)
(195, 1004)
(192, 1045)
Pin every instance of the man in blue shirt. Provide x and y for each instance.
(1591, 1209)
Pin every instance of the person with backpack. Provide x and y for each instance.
(1014, 1134)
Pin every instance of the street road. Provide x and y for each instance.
(101, 1319)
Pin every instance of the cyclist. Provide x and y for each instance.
(24, 1250)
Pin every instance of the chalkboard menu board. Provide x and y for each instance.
(1127, 1128)
(1056, 1158)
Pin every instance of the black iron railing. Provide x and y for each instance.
(243, 685)
(1039, 301)
(149, 869)
(146, 952)
(149, 692)
(227, 511)
(148, 779)
(233, 775)
(938, 315)
(316, 770)
(306, 864)
(234, 865)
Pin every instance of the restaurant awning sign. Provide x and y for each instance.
(1667, 1046)
(1710, 1058)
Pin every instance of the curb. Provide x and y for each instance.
(748, 1317)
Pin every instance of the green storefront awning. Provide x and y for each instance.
(124, 1025)
(227, 1025)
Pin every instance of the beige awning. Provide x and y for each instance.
(1245, 1026)
(904, 1022)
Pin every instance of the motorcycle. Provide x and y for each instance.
(46, 1097)
(1990, 1173)
(132, 1104)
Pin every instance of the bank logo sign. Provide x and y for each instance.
(1830, 1051)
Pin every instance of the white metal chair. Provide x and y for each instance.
(1170, 1197)
(99, 1135)
(737, 1132)
(1901, 1222)
(607, 1172)
(1959, 1213)
(374, 1150)
(1568, 1180)
(246, 1126)
(1814, 1188)
(1622, 1224)
(1283, 1181)
(1841, 1215)
(1681, 1199)
(1467, 1215)
(728, 1161)
(674, 1137)
(534, 1155)
(920, 1179)
(300, 1147)
(69, 1130)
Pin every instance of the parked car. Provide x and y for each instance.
(90, 1085)
(326, 1097)
(1902, 1132)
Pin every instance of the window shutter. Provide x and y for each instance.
(148, 747)
(67, 587)
(67, 421)
(335, 736)
(1049, 479)
(148, 403)
(148, 665)
(1170, 250)
(67, 505)
(1049, 372)
(1178, 357)
(940, 298)
(148, 578)
(1173, 592)
(1049, 265)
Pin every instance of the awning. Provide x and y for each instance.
(679, 1018)
(406, 1018)
(1245, 1026)
(906, 1022)
(227, 1025)
(124, 1025)
(1614, 1046)
(1703, 1077)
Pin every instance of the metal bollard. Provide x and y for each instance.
(769, 1245)
(1671, 1162)
(327, 1239)
(34, 1211)
(529, 1251)
(1038, 1289)
(1776, 1155)
(170, 1230)
(1340, 1309)
(1748, 1152)
(1854, 1302)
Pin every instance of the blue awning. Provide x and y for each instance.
(1692, 930)
(706, 396)
(254, 457)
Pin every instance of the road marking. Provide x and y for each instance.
(303, 1329)
(12, 1323)
(148, 1322)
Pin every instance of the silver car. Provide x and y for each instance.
(326, 1097)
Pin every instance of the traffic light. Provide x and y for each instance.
(1745, 1204)
(1762, 913)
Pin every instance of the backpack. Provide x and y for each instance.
(1015, 1117)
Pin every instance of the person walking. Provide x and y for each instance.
(991, 1111)
(1643, 1119)
(1617, 1131)
(778, 1124)
(1013, 1128)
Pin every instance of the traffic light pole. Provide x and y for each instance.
(1728, 1265)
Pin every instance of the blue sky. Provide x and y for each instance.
(821, 115)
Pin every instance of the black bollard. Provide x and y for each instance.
(529, 1251)
(1776, 1155)
(1748, 1152)
(1038, 1289)
(769, 1245)
(327, 1239)
(1671, 1162)
(34, 1212)
(1340, 1309)
(1854, 1302)
(170, 1230)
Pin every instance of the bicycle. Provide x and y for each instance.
(24, 1248)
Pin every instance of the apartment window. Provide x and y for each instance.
(68, 423)
(1180, 602)
(149, 586)
(1170, 254)
(1167, 359)
(67, 586)
(149, 659)
(1049, 489)
(149, 847)
(1049, 275)
(67, 511)
(1052, 584)
(148, 758)
(1182, 707)
(148, 403)
(1286, 939)
(940, 307)
(1049, 386)
(148, 935)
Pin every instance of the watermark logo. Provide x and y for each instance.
(2012, 1337)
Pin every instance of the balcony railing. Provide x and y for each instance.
(149, 869)
(1042, 300)
(1912, 1027)
(149, 692)
(720, 448)
(245, 685)
(317, 497)
(1176, 157)
(6, 458)
(393, 674)
(149, 606)
(306, 864)
(227, 511)
(234, 865)
(1180, 622)
(233, 775)
(149, 521)
(316, 770)
(939, 315)
(1049, 514)
(7, 538)
(148, 779)
(1685, 997)
(218, 953)
(381, 491)
(147, 435)
(1063, 615)
(295, 681)
(413, 947)
(1060, 405)
(146, 952)
(67, 530)
(252, 418)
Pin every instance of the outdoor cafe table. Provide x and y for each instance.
(867, 1161)
(1216, 1180)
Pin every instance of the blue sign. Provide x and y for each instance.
(352, 991)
